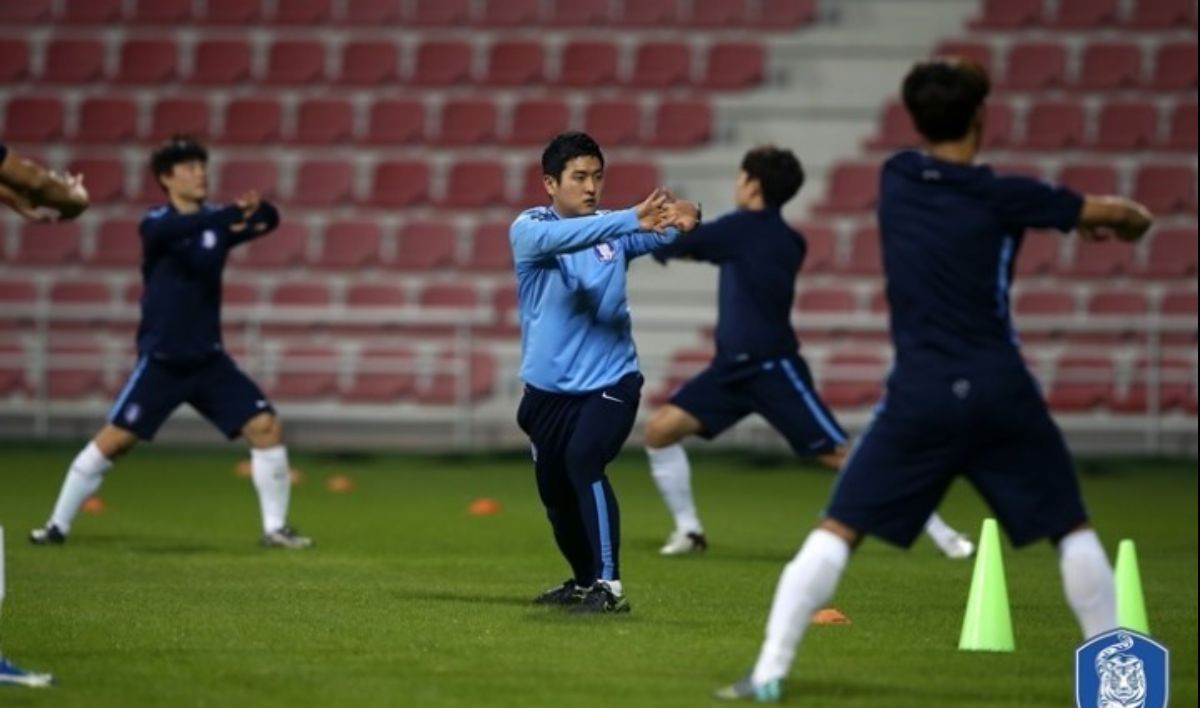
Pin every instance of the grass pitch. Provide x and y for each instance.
(164, 599)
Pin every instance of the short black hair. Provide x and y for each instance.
(566, 147)
(778, 172)
(943, 95)
(178, 148)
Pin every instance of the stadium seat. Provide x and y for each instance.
(351, 245)
(1182, 134)
(1172, 253)
(1009, 14)
(536, 121)
(221, 62)
(105, 178)
(449, 295)
(1039, 253)
(1175, 67)
(1177, 303)
(661, 64)
(510, 13)
(1051, 125)
(18, 302)
(785, 14)
(647, 13)
(306, 372)
(443, 388)
(866, 255)
(369, 63)
(48, 244)
(734, 65)
(291, 305)
(396, 122)
(25, 11)
(324, 122)
(980, 52)
(324, 183)
(627, 183)
(682, 123)
(79, 305)
(371, 13)
(1090, 179)
(1127, 126)
(1081, 383)
(1026, 169)
(852, 379)
(14, 60)
(285, 247)
(821, 253)
(295, 62)
(1122, 302)
(425, 246)
(440, 13)
(303, 12)
(506, 324)
(1107, 66)
(368, 295)
(117, 245)
(107, 120)
(232, 12)
(490, 249)
(1086, 14)
(585, 64)
(1035, 66)
(382, 374)
(1101, 260)
(162, 12)
(148, 61)
(74, 370)
(399, 184)
(238, 293)
(1161, 14)
(1174, 383)
(468, 121)
(1166, 189)
(578, 13)
(614, 122)
(515, 63)
(251, 121)
(827, 300)
(853, 187)
(718, 14)
(33, 119)
(73, 61)
(998, 126)
(179, 115)
(242, 175)
(474, 184)
(442, 63)
(14, 378)
(1045, 302)
(533, 191)
(896, 129)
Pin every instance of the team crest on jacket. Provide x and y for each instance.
(210, 239)
(1121, 669)
(605, 252)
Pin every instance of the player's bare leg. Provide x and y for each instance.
(272, 479)
(83, 480)
(673, 474)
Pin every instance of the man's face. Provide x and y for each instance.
(577, 191)
(187, 181)
(746, 190)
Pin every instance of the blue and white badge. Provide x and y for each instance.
(605, 252)
(1121, 669)
(132, 412)
(210, 239)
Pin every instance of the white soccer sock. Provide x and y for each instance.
(269, 468)
(84, 477)
(941, 532)
(615, 586)
(673, 475)
(1088, 582)
(806, 585)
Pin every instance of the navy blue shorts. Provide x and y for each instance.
(995, 428)
(780, 390)
(216, 388)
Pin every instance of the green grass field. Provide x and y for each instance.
(165, 600)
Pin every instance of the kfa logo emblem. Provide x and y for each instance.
(209, 239)
(1121, 669)
(605, 252)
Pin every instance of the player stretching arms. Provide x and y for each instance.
(959, 399)
(578, 361)
(757, 368)
(180, 355)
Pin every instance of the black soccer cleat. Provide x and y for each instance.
(601, 600)
(564, 595)
(285, 537)
(49, 535)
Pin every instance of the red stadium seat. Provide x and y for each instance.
(1090, 179)
(1172, 253)
(998, 125)
(221, 62)
(1051, 125)
(107, 120)
(180, 115)
(324, 183)
(468, 122)
(369, 63)
(232, 12)
(627, 183)
(441, 13)
(1166, 189)
(162, 12)
(1110, 65)
(866, 255)
(578, 13)
(238, 294)
(396, 122)
(14, 378)
(852, 188)
(33, 119)
(443, 388)
(1045, 302)
(614, 122)
(504, 301)
(426, 245)
(399, 184)
(1178, 303)
(1175, 377)
(48, 244)
(510, 13)
(896, 129)
(1009, 14)
(351, 245)
(515, 63)
(1183, 128)
(253, 120)
(827, 300)
(1034, 66)
(474, 184)
(303, 12)
(324, 122)
(718, 14)
(734, 65)
(117, 245)
(647, 13)
(301, 294)
(588, 64)
(372, 13)
(74, 370)
(382, 374)
(490, 249)
(1175, 67)
(1126, 303)
(367, 295)
(285, 247)
(1127, 126)
(28, 11)
(80, 292)
(1039, 254)
(661, 65)
(306, 372)
(980, 52)
(14, 59)
(821, 255)
(536, 121)
(1081, 383)
(1026, 169)
(785, 14)
(73, 61)
(1160, 14)
(442, 63)
(148, 61)
(295, 62)
(449, 295)
(240, 176)
(1086, 14)
(104, 177)
(682, 123)
(18, 303)
(533, 190)
(853, 379)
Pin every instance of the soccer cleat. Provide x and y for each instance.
(682, 542)
(49, 535)
(958, 547)
(564, 595)
(601, 600)
(10, 673)
(285, 537)
(747, 690)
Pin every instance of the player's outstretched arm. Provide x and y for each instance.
(1105, 216)
(41, 187)
(21, 204)
(161, 226)
(259, 218)
(675, 217)
(534, 239)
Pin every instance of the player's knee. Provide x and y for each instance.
(264, 430)
(662, 430)
(113, 442)
(842, 531)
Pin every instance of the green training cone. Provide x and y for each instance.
(1131, 604)
(987, 625)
